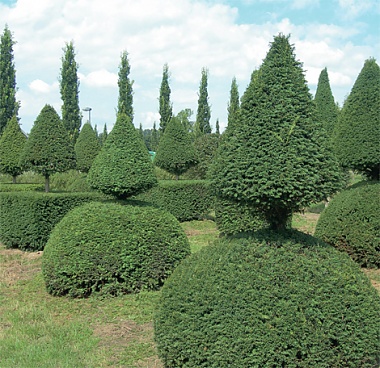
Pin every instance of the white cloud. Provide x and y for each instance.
(355, 8)
(99, 78)
(40, 86)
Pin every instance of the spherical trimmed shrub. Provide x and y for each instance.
(112, 249)
(271, 300)
(351, 223)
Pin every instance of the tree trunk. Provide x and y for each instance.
(177, 177)
(47, 183)
(14, 179)
(279, 219)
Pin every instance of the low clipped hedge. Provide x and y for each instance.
(232, 218)
(269, 300)
(4, 187)
(27, 218)
(110, 248)
(351, 223)
(185, 199)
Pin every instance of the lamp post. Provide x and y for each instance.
(89, 113)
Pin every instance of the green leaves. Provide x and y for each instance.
(86, 148)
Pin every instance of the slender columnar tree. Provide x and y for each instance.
(165, 106)
(202, 122)
(69, 87)
(8, 104)
(155, 138)
(125, 102)
(217, 127)
(277, 158)
(48, 149)
(233, 103)
(12, 143)
(357, 133)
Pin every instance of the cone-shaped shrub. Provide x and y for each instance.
(123, 166)
(272, 300)
(351, 223)
(112, 249)
(86, 148)
(357, 132)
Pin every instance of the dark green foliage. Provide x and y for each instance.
(232, 218)
(69, 88)
(123, 167)
(103, 136)
(175, 152)
(86, 148)
(134, 249)
(125, 102)
(70, 181)
(8, 104)
(4, 187)
(27, 218)
(233, 104)
(327, 110)
(48, 149)
(357, 133)
(185, 199)
(202, 122)
(155, 138)
(12, 143)
(272, 300)
(165, 106)
(351, 223)
(276, 157)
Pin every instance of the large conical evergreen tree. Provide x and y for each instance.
(125, 102)
(12, 143)
(165, 106)
(8, 104)
(357, 143)
(175, 152)
(48, 149)
(202, 122)
(123, 166)
(276, 159)
(327, 110)
(69, 88)
(86, 148)
(233, 104)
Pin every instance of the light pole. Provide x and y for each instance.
(89, 113)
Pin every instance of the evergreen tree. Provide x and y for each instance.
(155, 138)
(48, 149)
(233, 104)
(12, 143)
(165, 106)
(175, 152)
(103, 136)
(125, 102)
(86, 148)
(357, 133)
(277, 159)
(141, 131)
(123, 167)
(8, 105)
(217, 127)
(327, 110)
(202, 122)
(69, 88)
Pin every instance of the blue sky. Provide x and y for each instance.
(230, 38)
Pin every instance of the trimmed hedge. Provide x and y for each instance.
(351, 223)
(112, 249)
(27, 218)
(271, 300)
(4, 187)
(185, 199)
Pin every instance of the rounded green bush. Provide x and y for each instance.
(269, 300)
(351, 223)
(112, 249)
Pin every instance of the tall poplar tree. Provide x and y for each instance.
(8, 104)
(125, 102)
(202, 122)
(233, 103)
(165, 106)
(69, 88)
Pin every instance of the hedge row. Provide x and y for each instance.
(185, 199)
(27, 218)
(4, 187)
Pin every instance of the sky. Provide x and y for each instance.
(229, 37)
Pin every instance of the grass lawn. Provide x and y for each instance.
(38, 330)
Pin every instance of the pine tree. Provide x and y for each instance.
(123, 167)
(103, 136)
(357, 132)
(165, 106)
(125, 102)
(155, 138)
(202, 122)
(233, 104)
(217, 127)
(12, 143)
(86, 148)
(48, 149)
(8, 104)
(175, 152)
(277, 159)
(69, 88)
(327, 110)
